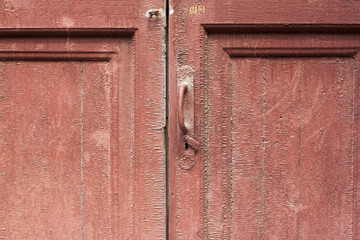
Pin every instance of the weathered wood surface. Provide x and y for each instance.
(82, 120)
(276, 89)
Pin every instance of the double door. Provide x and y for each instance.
(179, 119)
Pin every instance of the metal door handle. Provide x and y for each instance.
(188, 146)
(182, 89)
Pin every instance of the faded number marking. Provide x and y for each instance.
(197, 10)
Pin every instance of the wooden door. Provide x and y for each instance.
(82, 120)
(272, 98)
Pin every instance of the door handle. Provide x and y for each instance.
(183, 88)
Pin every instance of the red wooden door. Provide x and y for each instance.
(269, 94)
(272, 97)
(82, 120)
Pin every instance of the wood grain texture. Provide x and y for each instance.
(65, 14)
(356, 157)
(288, 173)
(112, 182)
(149, 158)
(41, 180)
(327, 162)
(247, 148)
(217, 158)
(254, 183)
(282, 151)
(281, 12)
(95, 155)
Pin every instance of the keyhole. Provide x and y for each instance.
(186, 146)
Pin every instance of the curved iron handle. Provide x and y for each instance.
(181, 96)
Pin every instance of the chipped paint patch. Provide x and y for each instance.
(100, 138)
(13, 5)
(67, 22)
(10, 7)
(171, 10)
(157, 12)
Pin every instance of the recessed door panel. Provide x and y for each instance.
(276, 115)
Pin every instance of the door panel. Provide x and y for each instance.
(31, 127)
(276, 109)
(304, 145)
(327, 148)
(247, 129)
(62, 118)
(82, 120)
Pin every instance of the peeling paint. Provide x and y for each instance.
(67, 22)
